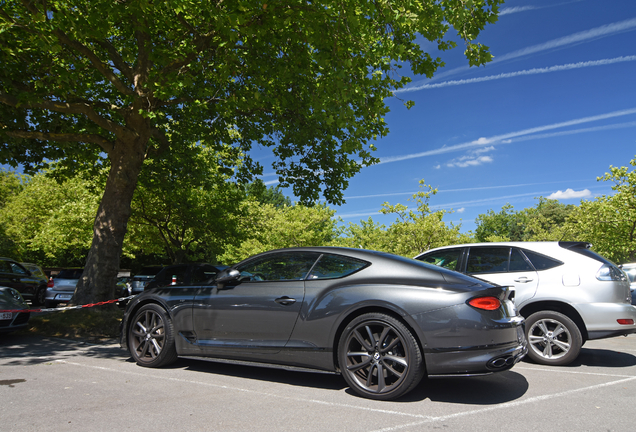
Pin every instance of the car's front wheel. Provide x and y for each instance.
(553, 338)
(379, 357)
(151, 337)
(40, 296)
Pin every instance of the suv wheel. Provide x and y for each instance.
(553, 338)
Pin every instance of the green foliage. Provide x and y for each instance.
(609, 221)
(501, 226)
(367, 235)
(266, 227)
(267, 195)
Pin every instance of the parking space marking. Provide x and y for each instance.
(566, 371)
(315, 401)
(422, 419)
(506, 405)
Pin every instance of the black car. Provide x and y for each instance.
(186, 274)
(15, 275)
(11, 306)
(139, 281)
(381, 320)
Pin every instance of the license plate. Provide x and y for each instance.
(5, 315)
(64, 296)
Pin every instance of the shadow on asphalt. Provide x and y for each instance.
(31, 350)
(595, 357)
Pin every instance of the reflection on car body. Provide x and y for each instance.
(381, 320)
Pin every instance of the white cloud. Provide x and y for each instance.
(461, 210)
(570, 194)
(511, 10)
(467, 161)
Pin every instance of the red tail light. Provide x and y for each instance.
(625, 321)
(50, 283)
(486, 303)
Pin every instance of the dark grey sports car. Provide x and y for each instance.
(381, 320)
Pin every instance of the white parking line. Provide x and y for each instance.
(423, 419)
(567, 371)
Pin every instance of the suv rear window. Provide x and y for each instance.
(70, 274)
(541, 262)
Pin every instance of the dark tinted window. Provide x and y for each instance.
(203, 273)
(518, 261)
(69, 274)
(448, 258)
(17, 268)
(164, 277)
(279, 266)
(488, 260)
(541, 262)
(4, 267)
(335, 266)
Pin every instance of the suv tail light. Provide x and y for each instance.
(485, 303)
(610, 273)
(50, 283)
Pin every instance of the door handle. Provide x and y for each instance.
(285, 301)
(523, 280)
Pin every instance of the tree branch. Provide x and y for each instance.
(106, 145)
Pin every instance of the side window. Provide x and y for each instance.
(202, 274)
(449, 259)
(164, 277)
(335, 266)
(17, 269)
(518, 262)
(278, 267)
(488, 260)
(541, 262)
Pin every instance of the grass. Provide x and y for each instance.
(94, 324)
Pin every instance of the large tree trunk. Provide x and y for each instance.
(102, 264)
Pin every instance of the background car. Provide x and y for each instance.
(630, 271)
(186, 274)
(11, 300)
(381, 320)
(139, 281)
(61, 287)
(15, 275)
(40, 275)
(567, 293)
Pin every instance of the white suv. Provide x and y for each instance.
(567, 293)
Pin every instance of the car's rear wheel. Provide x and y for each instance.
(379, 357)
(151, 337)
(40, 296)
(553, 338)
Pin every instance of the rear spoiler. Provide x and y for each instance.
(575, 245)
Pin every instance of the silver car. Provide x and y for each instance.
(60, 288)
(567, 293)
(630, 271)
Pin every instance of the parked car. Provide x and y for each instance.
(630, 271)
(60, 289)
(12, 300)
(567, 293)
(186, 274)
(15, 275)
(38, 273)
(141, 279)
(381, 320)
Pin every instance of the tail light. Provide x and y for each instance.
(50, 283)
(485, 303)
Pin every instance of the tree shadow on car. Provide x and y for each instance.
(278, 374)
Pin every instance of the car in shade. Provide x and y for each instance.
(11, 306)
(380, 320)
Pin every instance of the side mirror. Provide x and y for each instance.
(227, 276)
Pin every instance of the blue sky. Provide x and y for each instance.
(550, 114)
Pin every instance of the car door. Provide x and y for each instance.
(256, 313)
(504, 265)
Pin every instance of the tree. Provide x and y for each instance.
(367, 235)
(11, 184)
(267, 227)
(609, 221)
(114, 83)
(416, 231)
(546, 221)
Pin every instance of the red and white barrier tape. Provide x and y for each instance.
(70, 307)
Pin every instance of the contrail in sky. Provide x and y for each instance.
(583, 36)
(534, 71)
(501, 139)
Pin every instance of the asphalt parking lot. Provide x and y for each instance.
(56, 384)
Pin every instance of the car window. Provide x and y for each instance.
(541, 262)
(4, 267)
(448, 258)
(203, 273)
(164, 277)
(335, 266)
(488, 260)
(278, 267)
(17, 268)
(518, 262)
(69, 274)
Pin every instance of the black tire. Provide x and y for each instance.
(379, 357)
(151, 337)
(553, 338)
(40, 296)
